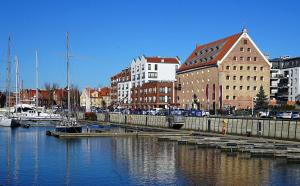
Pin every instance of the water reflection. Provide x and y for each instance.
(29, 157)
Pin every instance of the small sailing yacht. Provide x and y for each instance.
(7, 120)
(68, 124)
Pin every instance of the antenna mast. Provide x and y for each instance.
(68, 77)
(37, 78)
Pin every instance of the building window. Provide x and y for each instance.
(241, 67)
(248, 78)
(261, 68)
(248, 87)
(227, 68)
(227, 77)
(234, 58)
(242, 49)
(249, 49)
(234, 97)
(155, 67)
(152, 74)
(227, 97)
(234, 77)
(254, 68)
(234, 87)
(248, 67)
(261, 78)
(254, 88)
(254, 78)
(241, 87)
(245, 41)
(248, 58)
(254, 59)
(241, 58)
(227, 87)
(149, 66)
(241, 77)
(234, 67)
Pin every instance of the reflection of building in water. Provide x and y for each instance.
(211, 167)
(146, 160)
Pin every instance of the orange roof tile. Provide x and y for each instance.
(210, 53)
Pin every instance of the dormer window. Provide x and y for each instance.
(217, 47)
(245, 41)
(212, 49)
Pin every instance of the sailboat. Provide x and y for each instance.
(7, 120)
(68, 124)
(27, 113)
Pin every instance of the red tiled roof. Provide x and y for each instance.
(210, 53)
(162, 60)
(105, 91)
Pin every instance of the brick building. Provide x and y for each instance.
(154, 95)
(224, 73)
(120, 89)
(60, 97)
(28, 96)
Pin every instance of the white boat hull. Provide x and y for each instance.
(8, 122)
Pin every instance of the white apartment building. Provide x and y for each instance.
(285, 76)
(124, 92)
(149, 69)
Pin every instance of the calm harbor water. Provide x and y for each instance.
(29, 157)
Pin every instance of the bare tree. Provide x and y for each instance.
(51, 88)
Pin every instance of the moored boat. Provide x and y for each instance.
(8, 122)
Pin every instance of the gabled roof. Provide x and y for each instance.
(210, 53)
(158, 59)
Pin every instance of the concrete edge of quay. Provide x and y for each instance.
(240, 128)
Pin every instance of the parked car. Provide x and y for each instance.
(279, 115)
(205, 113)
(295, 115)
(287, 115)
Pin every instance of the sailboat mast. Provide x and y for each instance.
(8, 75)
(17, 79)
(37, 79)
(68, 77)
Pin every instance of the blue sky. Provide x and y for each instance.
(105, 35)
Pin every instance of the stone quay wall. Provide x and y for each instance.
(263, 127)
